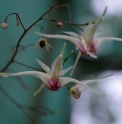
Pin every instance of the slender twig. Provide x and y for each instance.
(23, 48)
(25, 31)
(18, 18)
(30, 118)
(23, 107)
(69, 23)
(12, 58)
(42, 29)
(23, 85)
(20, 21)
(16, 50)
(70, 15)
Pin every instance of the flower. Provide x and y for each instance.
(85, 42)
(41, 43)
(52, 78)
(77, 89)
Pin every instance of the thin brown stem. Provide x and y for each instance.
(76, 25)
(25, 31)
(20, 21)
(23, 48)
(70, 15)
(16, 50)
(18, 18)
(12, 59)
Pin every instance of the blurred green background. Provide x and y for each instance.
(109, 59)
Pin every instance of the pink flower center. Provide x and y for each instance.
(91, 48)
(54, 84)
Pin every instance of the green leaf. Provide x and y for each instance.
(67, 57)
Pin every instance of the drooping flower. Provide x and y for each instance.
(84, 42)
(42, 42)
(52, 78)
(77, 89)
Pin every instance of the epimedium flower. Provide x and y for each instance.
(84, 42)
(51, 79)
(77, 89)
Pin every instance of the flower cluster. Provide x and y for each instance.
(84, 42)
(52, 80)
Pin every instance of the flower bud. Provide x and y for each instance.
(4, 25)
(76, 91)
(17, 21)
(59, 24)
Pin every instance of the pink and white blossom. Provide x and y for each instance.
(84, 42)
(52, 78)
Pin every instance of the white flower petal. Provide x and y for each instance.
(48, 45)
(98, 41)
(36, 46)
(88, 34)
(65, 80)
(58, 63)
(85, 47)
(78, 88)
(42, 76)
(91, 28)
(65, 70)
(57, 68)
(53, 65)
(46, 68)
(63, 49)
(74, 40)
(96, 80)
(92, 55)
(72, 34)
